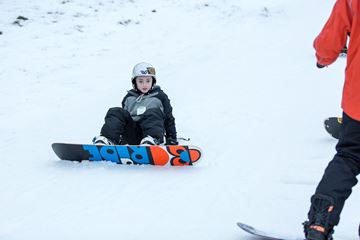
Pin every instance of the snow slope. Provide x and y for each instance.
(242, 79)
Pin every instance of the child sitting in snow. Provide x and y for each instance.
(145, 117)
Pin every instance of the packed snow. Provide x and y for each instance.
(242, 80)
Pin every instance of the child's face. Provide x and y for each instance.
(144, 83)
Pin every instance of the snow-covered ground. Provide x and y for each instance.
(242, 79)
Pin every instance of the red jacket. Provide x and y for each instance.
(344, 20)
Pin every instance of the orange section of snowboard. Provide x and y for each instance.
(159, 156)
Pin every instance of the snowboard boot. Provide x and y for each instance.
(318, 226)
(101, 140)
(149, 140)
(333, 126)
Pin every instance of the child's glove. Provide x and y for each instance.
(171, 141)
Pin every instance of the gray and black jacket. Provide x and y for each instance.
(137, 103)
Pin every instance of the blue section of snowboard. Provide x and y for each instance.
(262, 235)
(137, 154)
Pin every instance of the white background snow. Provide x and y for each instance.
(242, 80)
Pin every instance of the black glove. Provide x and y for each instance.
(319, 65)
(171, 141)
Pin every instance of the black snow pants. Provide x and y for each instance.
(119, 122)
(340, 174)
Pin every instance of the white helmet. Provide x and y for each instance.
(143, 69)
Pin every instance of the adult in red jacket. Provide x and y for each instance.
(340, 175)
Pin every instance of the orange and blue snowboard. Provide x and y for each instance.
(172, 155)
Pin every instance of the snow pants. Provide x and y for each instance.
(340, 174)
(119, 122)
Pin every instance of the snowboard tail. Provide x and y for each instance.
(173, 155)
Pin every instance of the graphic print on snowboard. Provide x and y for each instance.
(173, 155)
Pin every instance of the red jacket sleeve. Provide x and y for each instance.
(332, 39)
